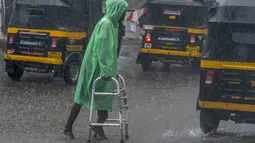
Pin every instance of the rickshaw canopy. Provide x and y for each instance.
(176, 13)
(43, 2)
(233, 11)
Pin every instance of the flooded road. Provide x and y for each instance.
(162, 108)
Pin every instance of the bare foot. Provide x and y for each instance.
(68, 134)
(100, 132)
(103, 138)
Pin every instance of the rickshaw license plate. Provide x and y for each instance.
(193, 49)
(55, 55)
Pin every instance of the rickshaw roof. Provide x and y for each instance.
(176, 2)
(233, 11)
(248, 3)
(42, 2)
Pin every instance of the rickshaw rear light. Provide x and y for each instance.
(54, 43)
(148, 40)
(11, 39)
(192, 39)
(9, 49)
(209, 78)
(148, 37)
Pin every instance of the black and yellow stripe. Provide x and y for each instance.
(43, 60)
(208, 64)
(53, 33)
(169, 52)
(190, 30)
(226, 106)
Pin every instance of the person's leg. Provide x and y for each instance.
(68, 130)
(102, 117)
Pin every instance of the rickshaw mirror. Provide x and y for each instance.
(212, 11)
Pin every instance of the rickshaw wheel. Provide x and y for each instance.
(16, 74)
(146, 65)
(209, 122)
(71, 72)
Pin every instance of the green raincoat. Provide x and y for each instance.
(101, 58)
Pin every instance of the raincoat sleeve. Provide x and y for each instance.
(106, 50)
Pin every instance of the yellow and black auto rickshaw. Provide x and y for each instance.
(49, 36)
(227, 78)
(173, 31)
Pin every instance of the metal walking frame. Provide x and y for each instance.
(122, 121)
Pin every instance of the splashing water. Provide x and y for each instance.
(191, 132)
(168, 134)
(194, 132)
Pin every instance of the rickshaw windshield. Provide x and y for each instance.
(43, 17)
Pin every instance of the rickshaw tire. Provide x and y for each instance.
(146, 65)
(67, 77)
(17, 74)
(209, 122)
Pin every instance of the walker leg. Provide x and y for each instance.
(121, 129)
(126, 131)
(126, 121)
(121, 134)
(89, 139)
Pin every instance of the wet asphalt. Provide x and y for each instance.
(162, 107)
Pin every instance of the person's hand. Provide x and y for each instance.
(106, 77)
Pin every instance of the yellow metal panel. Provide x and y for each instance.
(227, 65)
(169, 52)
(190, 30)
(42, 60)
(227, 106)
(53, 33)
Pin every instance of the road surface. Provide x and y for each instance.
(162, 108)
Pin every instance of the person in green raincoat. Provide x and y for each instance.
(100, 59)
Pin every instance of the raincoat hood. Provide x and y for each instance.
(115, 9)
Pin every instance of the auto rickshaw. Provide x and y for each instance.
(173, 32)
(50, 36)
(227, 78)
